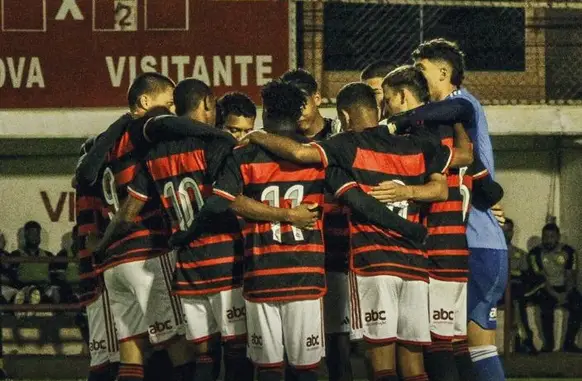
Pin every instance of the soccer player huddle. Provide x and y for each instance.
(268, 250)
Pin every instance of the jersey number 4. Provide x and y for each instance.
(272, 194)
(181, 203)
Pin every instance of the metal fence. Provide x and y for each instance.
(516, 51)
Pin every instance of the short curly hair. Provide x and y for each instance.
(283, 101)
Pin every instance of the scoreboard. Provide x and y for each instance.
(85, 53)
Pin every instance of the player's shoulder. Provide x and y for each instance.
(568, 249)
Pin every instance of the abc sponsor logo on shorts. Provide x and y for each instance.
(97, 346)
(443, 316)
(256, 340)
(158, 327)
(375, 317)
(493, 314)
(236, 313)
(312, 342)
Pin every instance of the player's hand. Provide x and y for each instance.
(499, 214)
(304, 216)
(247, 138)
(389, 192)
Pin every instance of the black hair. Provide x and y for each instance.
(377, 69)
(509, 221)
(31, 225)
(407, 76)
(301, 78)
(237, 104)
(443, 50)
(188, 94)
(356, 94)
(551, 227)
(282, 101)
(147, 83)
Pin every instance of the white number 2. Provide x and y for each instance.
(110, 191)
(181, 200)
(271, 194)
(400, 206)
(465, 192)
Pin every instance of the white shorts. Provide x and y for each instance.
(103, 345)
(356, 329)
(223, 312)
(448, 309)
(336, 305)
(295, 328)
(393, 309)
(142, 301)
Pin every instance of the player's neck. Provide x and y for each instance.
(197, 116)
(315, 127)
(364, 121)
(445, 91)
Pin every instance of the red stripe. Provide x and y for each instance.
(390, 163)
(446, 206)
(263, 173)
(284, 271)
(138, 234)
(448, 252)
(214, 239)
(124, 146)
(88, 202)
(447, 142)
(271, 249)
(207, 263)
(399, 249)
(440, 230)
(125, 176)
(177, 164)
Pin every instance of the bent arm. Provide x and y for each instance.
(379, 215)
(286, 148)
(169, 127)
(463, 150)
(436, 189)
(122, 221)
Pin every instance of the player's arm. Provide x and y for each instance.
(436, 189)
(170, 127)
(486, 192)
(91, 163)
(463, 148)
(303, 216)
(347, 191)
(219, 153)
(286, 148)
(454, 110)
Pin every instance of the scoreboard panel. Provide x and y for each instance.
(85, 53)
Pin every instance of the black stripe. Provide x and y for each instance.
(282, 293)
(168, 148)
(310, 188)
(361, 239)
(280, 285)
(445, 219)
(446, 242)
(444, 262)
(387, 258)
(166, 273)
(284, 260)
(397, 271)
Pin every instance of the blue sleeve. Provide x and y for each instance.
(448, 111)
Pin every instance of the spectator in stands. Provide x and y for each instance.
(9, 278)
(556, 263)
(519, 272)
(58, 271)
(33, 277)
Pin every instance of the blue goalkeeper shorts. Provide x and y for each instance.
(487, 280)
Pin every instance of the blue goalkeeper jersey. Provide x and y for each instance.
(483, 230)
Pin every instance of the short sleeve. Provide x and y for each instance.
(477, 170)
(338, 181)
(217, 150)
(338, 151)
(439, 160)
(139, 187)
(230, 182)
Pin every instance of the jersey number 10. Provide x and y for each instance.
(181, 203)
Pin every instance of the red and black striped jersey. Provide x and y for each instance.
(183, 172)
(446, 221)
(148, 236)
(374, 156)
(281, 262)
(336, 223)
(90, 220)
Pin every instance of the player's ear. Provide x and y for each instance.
(317, 98)
(402, 96)
(346, 118)
(143, 102)
(206, 103)
(444, 73)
